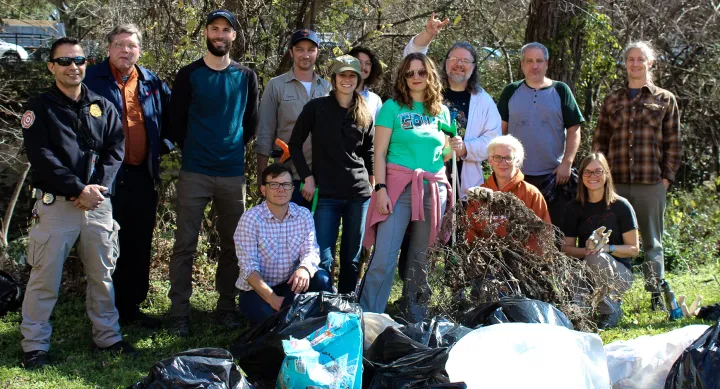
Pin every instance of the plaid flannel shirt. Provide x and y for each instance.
(640, 136)
(274, 248)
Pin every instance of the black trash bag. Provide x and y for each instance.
(710, 312)
(210, 368)
(452, 385)
(395, 361)
(259, 350)
(515, 310)
(699, 365)
(10, 294)
(440, 332)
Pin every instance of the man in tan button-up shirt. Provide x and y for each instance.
(283, 100)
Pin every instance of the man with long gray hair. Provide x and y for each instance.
(639, 130)
(143, 101)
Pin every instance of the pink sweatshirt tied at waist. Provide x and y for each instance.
(397, 178)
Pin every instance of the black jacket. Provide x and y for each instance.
(56, 142)
(342, 152)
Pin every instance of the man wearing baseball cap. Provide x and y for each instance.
(213, 115)
(283, 100)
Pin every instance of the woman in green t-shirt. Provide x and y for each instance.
(410, 151)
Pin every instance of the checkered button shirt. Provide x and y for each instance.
(640, 136)
(274, 248)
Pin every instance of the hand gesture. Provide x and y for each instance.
(434, 26)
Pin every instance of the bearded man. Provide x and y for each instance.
(213, 115)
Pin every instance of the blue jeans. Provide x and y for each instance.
(257, 310)
(327, 224)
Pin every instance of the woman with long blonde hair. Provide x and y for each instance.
(342, 139)
(412, 187)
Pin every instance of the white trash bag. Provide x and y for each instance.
(644, 362)
(374, 324)
(522, 355)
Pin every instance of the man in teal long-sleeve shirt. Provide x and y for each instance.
(214, 114)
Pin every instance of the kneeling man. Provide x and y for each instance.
(277, 251)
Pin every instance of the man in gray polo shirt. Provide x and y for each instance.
(545, 117)
(283, 100)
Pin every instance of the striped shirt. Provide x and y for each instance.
(640, 136)
(274, 248)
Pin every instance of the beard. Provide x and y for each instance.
(458, 78)
(218, 52)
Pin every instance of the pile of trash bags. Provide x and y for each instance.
(325, 341)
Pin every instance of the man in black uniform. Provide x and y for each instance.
(75, 144)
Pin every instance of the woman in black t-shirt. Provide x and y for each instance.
(597, 205)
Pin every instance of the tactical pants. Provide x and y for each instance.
(60, 225)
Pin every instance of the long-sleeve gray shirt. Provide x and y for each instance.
(282, 101)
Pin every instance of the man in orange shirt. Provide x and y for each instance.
(143, 101)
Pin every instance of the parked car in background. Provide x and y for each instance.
(10, 52)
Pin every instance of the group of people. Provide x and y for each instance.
(376, 169)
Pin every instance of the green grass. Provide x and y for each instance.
(76, 365)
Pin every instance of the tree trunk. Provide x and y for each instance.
(5, 227)
(559, 25)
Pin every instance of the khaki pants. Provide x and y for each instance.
(60, 226)
(194, 192)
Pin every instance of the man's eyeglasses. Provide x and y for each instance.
(596, 173)
(412, 73)
(500, 158)
(464, 61)
(275, 185)
(66, 61)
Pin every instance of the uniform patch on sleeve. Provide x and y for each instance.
(27, 120)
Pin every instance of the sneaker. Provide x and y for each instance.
(227, 319)
(180, 326)
(657, 303)
(121, 347)
(141, 319)
(36, 359)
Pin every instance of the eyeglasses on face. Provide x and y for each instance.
(66, 61)
(412, 73)
(464, 61)
(596, 173)
(275, 185)
(500, 158)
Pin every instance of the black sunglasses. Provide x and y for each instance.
(66, 61)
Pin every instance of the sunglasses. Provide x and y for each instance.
(66, 61)
(412, 73)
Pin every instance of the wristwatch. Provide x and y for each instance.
(611, 248)
(380, 186)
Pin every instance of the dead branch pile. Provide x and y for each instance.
(526, 261)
